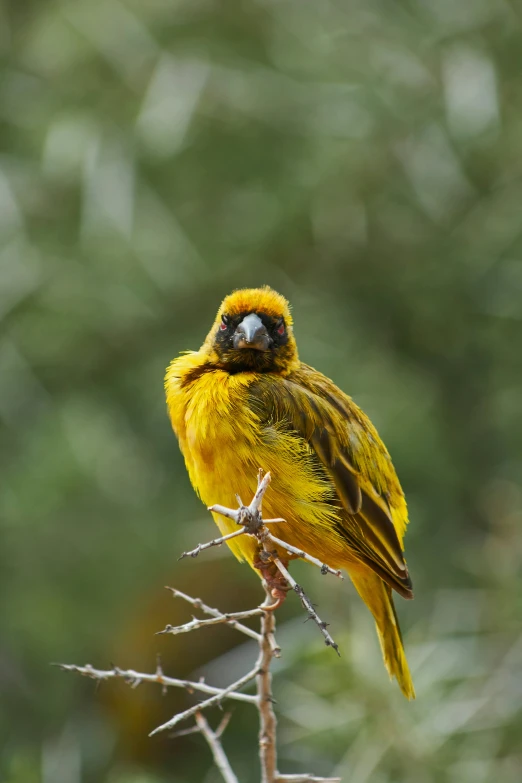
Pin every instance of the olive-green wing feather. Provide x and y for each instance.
(372, 508)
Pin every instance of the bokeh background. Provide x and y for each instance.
(365, 159)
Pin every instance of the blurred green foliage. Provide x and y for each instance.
(364, 158)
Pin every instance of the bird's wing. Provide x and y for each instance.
(372, 508)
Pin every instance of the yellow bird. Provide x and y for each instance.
(245, 401)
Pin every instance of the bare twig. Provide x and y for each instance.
(307, 604)
(185, 732)
(134, 678)
(197, 603)
(213, 740)
(230, 692)
(216, 542)
(248, 516)
(220, 759)
(224, 723)
(271, 521)
(325, 569)
(230, 619)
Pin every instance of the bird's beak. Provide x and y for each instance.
(251, 333)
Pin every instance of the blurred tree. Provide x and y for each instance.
(363, 158)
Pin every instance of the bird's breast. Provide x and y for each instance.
(225, 442)
(222, 434)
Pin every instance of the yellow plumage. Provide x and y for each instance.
(242, 402)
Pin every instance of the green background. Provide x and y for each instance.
(365, 159)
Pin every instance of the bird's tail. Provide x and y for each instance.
(377, 596)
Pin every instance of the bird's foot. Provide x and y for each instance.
(274, 580)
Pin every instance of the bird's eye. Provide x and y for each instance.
(224, 323)
(281, 327)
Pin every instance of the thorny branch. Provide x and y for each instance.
(213, 738)
(214, 701)
(230, 618)
(251, 522)
(134, 679)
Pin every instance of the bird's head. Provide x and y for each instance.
(253, 332)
